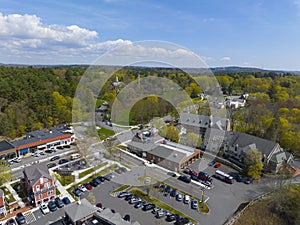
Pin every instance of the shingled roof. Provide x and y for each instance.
(35, 172)
(5, 145)
(80, 210)
(242, 140)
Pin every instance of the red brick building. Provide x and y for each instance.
(39, 184)
(3, 211)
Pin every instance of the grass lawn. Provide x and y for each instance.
(57, 191)
(10, 198)
(202, 206)
(6, 191)
(104, 133)
(91, 170)
(65, 180)
(158, 203)
(19, 189)
(122, 188)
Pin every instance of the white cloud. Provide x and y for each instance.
(225, 58)
(26, 39)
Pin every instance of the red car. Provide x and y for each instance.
(88, 186)
(217, 165)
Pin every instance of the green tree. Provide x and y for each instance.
(253, 163)
(172, 133)
(5, 171)
(194, 140)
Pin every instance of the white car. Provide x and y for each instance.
(36, 154)
(186, 199)
(44, 209)
(17, 159)
(82, 188)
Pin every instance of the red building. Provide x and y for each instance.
(3, 211)
(39, 184)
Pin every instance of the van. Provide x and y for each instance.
(75, 156)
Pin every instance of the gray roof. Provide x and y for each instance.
(243, 140)
(281, 156)
(5, 145)
(168, 153)
(78, 211)
(39, 135)
(214, 138)
(35, 172)
(203, 121)
(142, 146)
(115, 218)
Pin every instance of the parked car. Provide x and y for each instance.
(156, 209)
(204, 176)
(49, 151)
(172, 174)
(59, 203)
(249, 180)
(52, 206)
(160, 213)
(99, 206)
(62, 161)
(20, 218)
(206, 183)
(182, 221)
(179, 197)
(44, 209)
(149, 206)
(167, 190)
(82, 188)
(127, 218)
(134, 200)
(101, 178)
(212, 163)
(173, 193)
(88, 186)
(77, 192)
(195, 178)
(140, 204)
(186, 199)
(55, 158)
(239, 178)
(36, 154)
(17, 159)
(11, 222)
(172, 217)
(94, 183)
(123, 194)
(194, 204)
(185, 179)
(129, 197)
(51, 165)
(97, 180)
(66, 201)
(217, 165)
(123, 169)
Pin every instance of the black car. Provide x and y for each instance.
(101, 178)
(62, 161)
(123, 169)
(195, 178)
(20, 218)
(173, 193)
(249, 180)
(127, 218)
(148, 207)
(239, 178)
(172, 217)
(51, 165)
(55, 158)
(129, 197)
(167, 190)
(139, 204)
(172, 174)
(52, 206)
(59, 202)
(182, 221)
(185, 179)
(50, 151)
(97, 180)
(11, 222)
(94, 183)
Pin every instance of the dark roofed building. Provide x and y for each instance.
(200, 123)
(39, 184)
(237, 145)
(7, 150)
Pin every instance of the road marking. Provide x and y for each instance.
(127, 160)
(29, 217)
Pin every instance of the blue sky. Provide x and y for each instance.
(255, 33)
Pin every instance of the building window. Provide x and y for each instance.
(50, 192)
(40, 196)
(37, 187)
(158, 159)
(47, 185)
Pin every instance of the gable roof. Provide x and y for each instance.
(80, 210)
(203, 121)
(35, 172)
(5, 145)
(242, 140)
